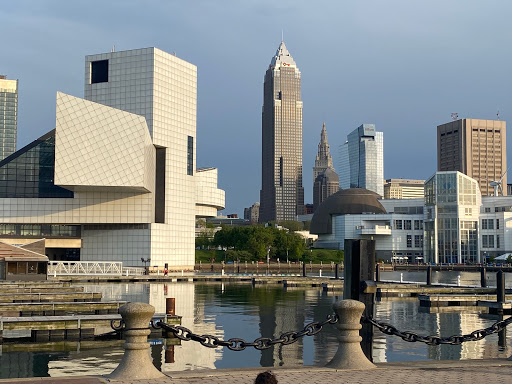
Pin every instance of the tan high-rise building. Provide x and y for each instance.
(403, 189)
(282, 194)
(476, 148)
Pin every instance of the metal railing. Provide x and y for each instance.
(73, 268)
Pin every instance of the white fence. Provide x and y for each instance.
(103, 268)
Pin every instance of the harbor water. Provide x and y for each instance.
(243, 311)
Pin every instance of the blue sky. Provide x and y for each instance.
(403, 65)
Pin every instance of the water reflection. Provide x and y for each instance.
(240, 310)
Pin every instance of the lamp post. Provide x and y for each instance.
(145, 261)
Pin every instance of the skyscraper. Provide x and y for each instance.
(8, 116)
(362, 160)
(282, 194)
(477, 148)
(325, 179)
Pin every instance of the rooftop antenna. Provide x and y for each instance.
(498, 115)
(455, 116)
(113, 48)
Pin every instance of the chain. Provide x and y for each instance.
(237, 344)
(479, 334)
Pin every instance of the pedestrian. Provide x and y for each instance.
(166, 271)
(266, 377)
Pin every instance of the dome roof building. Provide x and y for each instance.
(352, 201)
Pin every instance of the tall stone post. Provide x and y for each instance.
(349, 354)
(136, 363)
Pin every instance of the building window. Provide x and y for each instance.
(418, 241)
(487, 210)
(190, 156)
(497, 223)
(497, 241)
(407, 225)
(99, 71)
(487, 224)
(409, 241)
(398, 224)
(487, 241)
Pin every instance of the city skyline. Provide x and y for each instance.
(396, 65)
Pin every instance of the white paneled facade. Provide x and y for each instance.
(128, 154)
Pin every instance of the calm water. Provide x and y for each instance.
(240, 310)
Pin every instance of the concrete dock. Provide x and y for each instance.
(422, 372)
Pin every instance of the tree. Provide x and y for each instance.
(291, 225)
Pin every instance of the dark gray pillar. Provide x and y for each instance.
(483, 277)
(429, 275)
(336, 271)
(359, 267)
(500, 287)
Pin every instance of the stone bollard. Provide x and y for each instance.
(136, 363)
(349, 354)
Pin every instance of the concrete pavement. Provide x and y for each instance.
(445, 372)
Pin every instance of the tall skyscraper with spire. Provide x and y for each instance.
(282, 194)
(325, 179)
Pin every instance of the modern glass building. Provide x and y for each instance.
(362, 160)
(8, 116)
(282, 193)
(452, 211)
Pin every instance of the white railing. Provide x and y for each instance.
(133, 271)
(105, 268)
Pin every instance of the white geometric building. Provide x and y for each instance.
(119, 169)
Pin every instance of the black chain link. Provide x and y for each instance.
(237, 344)
(479, 334)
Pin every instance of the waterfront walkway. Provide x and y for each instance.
(446, 372)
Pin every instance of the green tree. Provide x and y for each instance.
(291, 225)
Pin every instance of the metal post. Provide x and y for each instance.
(483, 277)
(377, 273)
(429, 275)
(500, 287)
(136, 363)
(360, 269)
(170, 306)
(303, 269)
(336, 271)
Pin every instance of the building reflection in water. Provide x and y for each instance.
(248, 312)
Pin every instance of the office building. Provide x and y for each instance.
(282, 193)
(476, 148)
(116, 179)
(325, 178)
(8, 116)
(252, 213)
(362, 160)
(403, 189)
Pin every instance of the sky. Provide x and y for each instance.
(404, 66)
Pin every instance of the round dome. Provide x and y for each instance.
(354, 201)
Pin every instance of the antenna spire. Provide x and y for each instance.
(282, 35)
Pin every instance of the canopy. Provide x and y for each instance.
(503, 257)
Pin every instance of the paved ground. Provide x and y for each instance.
(440, 372)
